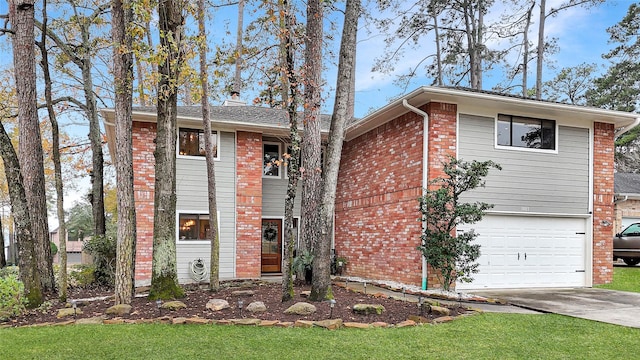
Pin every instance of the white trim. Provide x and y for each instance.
(197, 157)
(194, 212)
(520, 148)
(537, 214)
(279, 176)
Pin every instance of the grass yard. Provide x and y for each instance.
(624, 279)
(484, 336)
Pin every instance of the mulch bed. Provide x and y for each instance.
(270, 294)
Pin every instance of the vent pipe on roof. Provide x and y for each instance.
(234, 100)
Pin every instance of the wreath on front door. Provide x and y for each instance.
(270, 233)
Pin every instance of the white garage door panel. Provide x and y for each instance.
(520, 251)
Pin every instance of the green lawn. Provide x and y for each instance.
(624, 279)
(484, 336)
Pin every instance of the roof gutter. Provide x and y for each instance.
(626, 128)
(425, 170)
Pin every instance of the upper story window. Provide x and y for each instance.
(524, 132)
(271, 159)
(191, 142)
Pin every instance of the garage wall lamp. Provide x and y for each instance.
(605, 223)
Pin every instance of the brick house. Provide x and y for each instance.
(627, 200)
(550, 227)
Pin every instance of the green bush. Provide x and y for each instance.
(54, 248)
(103, 251)
(12, 300)
(9, 270)
(82, 275)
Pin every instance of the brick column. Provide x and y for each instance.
(144, 135)
(603, 218)
(248, 205)
(442, 143)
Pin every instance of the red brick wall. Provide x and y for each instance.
(144, 135)
(380, 180)
(248, 205)
(603, 157)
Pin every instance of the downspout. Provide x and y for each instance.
(425, 170)
(626, 128)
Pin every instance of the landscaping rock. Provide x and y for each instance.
(179, 320)
(268, 323)
(243, 293)
(357, 325)
(301, 308)
(63, 323)
(197, 320)
(119, 310)
(443, 319)
(439, 310)
(366, 309)
(217, 304)
(303, 324)
(406, 323)
(330, 324)
(305, 294)
(379, 324)
(68, 312)
(113, 321)
(245, 321)
(284, 324)
(223, 322)
(419, 319)
(256, 307)
(96, 320)
(174, 305)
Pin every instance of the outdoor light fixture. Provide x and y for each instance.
(459, 299)
(74, 305)
(420, 303)
(404, 293)
(159, 305)
(346, 284)
(365, 287)
(332, 303)
(240, 303)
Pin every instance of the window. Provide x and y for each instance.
(271, 159)
(194, 226)
(523, 132)
(191, 142)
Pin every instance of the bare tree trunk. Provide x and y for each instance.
(214, 267)
(342, 113)
(311, 144)
(525, 56)
(29, 141)
(55, 155)
(436, 30)
(122, 19)
(540, 54)
(27, 261)
(3, 258)
(237, 82)
(164, 277)
(290, 101)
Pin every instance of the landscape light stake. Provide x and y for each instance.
(459, 299)
(365, 288)
(332, 303)
(159, 305)
(404, 293)
(240, 303)
(74, 304)
(420, 303)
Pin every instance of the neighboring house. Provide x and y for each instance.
(627, 200)
(550, 227)
(74, 249)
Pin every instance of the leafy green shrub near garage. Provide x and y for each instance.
(12, 300)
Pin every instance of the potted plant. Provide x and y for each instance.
(303, 264)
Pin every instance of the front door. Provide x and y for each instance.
(271, 245)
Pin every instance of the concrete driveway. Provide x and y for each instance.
(613, 307)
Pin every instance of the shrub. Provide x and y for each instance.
(103, 251)
(9, 270)
(54, 248)
(12, 300)
(82, 275)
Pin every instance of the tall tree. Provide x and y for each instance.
(30, 153)
(122, 30)
(55, 151)
(164, 277)
(342, 113)
(35, 261)
(214, 267)
(289, 91)
(311, 143)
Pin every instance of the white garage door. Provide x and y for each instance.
(523, 252)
